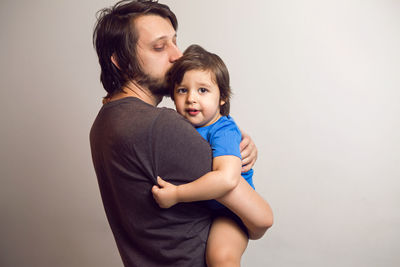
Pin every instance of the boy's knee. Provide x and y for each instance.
(222, 257)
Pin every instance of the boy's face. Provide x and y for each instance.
(197, 98)
(156, 46)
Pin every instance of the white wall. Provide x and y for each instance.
(316, 84)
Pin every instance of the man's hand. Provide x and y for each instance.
(248, 150)
(165, 194)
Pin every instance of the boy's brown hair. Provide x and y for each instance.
(197, 58)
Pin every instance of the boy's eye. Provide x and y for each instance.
(181, 90)
(202, 90)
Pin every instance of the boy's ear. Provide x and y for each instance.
(115, 61)
(221, 102)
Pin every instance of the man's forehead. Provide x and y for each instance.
(153, 27)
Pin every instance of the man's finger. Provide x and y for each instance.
(247, 167)
(245, 155)
(244, 143)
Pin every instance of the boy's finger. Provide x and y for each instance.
(160, 181)
(154, 189)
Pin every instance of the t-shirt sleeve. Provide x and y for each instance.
(181, 155)
(225, 140)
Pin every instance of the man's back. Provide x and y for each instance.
(132, 143)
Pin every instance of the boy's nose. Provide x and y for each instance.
(191, 97)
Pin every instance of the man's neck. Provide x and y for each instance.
(135, 90)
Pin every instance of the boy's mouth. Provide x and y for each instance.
(192, 111)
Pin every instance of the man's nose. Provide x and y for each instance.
(175, 53)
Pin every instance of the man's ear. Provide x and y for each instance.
(115, 61)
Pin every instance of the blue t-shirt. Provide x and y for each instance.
(224, 138)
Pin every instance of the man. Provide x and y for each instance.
(133, 142)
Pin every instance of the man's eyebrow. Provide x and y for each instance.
(164, 37)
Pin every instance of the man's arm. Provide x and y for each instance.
(248, 151)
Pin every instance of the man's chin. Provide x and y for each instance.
(159, 90)
(156, 86)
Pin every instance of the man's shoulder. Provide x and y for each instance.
(170, 121)
(180, 151)
(168, 115)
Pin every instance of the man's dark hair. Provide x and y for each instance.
(197, 58)
(115, 36)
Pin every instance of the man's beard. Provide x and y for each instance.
(157, 86)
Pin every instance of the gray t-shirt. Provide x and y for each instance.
(132, 143)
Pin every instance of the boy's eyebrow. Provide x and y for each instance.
(197, 83)
(204, 84)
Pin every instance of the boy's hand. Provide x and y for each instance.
(165, 194)
(248, 150)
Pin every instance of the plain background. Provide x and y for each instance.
(316, 84)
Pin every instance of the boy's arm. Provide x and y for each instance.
(243, 200)
(215, 184)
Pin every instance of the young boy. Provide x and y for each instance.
(200, 88)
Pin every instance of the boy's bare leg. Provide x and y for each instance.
(226, 243)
